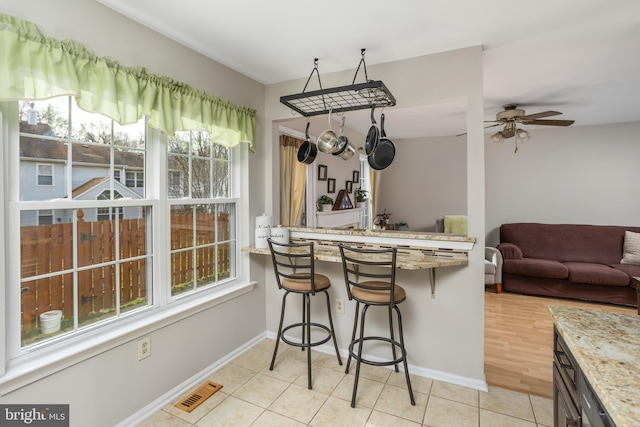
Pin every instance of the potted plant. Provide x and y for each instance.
(402, 225)
(361, 197)
(325, 203)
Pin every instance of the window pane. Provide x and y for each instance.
(51, 117)
(201, 179)
(132, 136)
(37, 179)
(42, 296)
(90, 127)
(133, 284)
(96, 240)
(221, 179)
(45, 248)
(134, 233)
(206, 253)
(96, 294)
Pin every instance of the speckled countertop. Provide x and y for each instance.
(407, 260)
(389, 234)
(607, 348)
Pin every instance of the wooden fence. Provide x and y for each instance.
(48, 249)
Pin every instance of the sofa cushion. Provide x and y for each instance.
(631, 270)
(548, 269)
(631, 248)
(596, 274)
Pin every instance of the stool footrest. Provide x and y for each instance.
(372, 362)
(303, 325)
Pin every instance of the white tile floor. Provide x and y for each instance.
(254, 396)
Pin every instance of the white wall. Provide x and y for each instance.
(111, 386)
(453, 334)
(576, 175)
(427, 179)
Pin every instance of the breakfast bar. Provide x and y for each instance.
(416, 251)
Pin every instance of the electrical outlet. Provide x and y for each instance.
(339, 305)
(144, 347)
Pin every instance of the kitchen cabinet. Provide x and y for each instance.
(566, 402)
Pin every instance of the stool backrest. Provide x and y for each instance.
(293, 261)
(363, 267)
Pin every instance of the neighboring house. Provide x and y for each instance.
(43, 176)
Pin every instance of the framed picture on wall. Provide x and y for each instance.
(349, 186)
(322, 172)
(331, 185)
(356, 177)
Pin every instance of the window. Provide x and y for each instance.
(86, 243)
(105, 214)
(45, 217)
(45, 174)
(94, 263)
(203, 241)
(135, 179)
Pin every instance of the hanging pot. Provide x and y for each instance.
(385, 152)
(308, 151)
(328, 140)
(373, 136)
(345, 150)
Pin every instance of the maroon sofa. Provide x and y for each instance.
(568, 261)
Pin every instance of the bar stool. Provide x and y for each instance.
(370, 278)
(294, 267)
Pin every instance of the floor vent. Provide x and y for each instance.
(196, 398)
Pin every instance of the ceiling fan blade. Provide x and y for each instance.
(494, 125)
(540, 115)
(549, 122)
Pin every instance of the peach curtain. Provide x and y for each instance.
(293, 181)
(374, 179)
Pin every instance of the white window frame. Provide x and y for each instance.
(19, 367)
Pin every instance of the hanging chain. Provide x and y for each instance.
(366, 78)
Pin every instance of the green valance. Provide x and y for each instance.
(35, 67)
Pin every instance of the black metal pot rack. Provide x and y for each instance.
(356, 96)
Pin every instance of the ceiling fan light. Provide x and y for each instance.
(522, 134)
(497, 137)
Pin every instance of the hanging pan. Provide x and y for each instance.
(308, 151)
(328, 140)
(383, 156)
(345, 149)
(373, 136)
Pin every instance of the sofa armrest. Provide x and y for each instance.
(494, 255)
(510, 251)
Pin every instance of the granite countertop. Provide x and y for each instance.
(407, 259)
(396, 234)
(607, 348)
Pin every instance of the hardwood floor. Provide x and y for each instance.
(518, 340)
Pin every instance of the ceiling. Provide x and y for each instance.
(579, 57)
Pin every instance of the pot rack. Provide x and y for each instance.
(356, 96)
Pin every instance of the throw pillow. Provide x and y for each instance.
(631, 248)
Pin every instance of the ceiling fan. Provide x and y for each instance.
(511, 116)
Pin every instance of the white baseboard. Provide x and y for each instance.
(190, 383)
(187, 385)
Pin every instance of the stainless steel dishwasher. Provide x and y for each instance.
(593, 413)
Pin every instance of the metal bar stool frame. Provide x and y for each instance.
(378, 268)
(288, 259)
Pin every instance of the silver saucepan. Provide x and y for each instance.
(328, 140)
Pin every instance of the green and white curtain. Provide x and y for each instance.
(34, 67)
